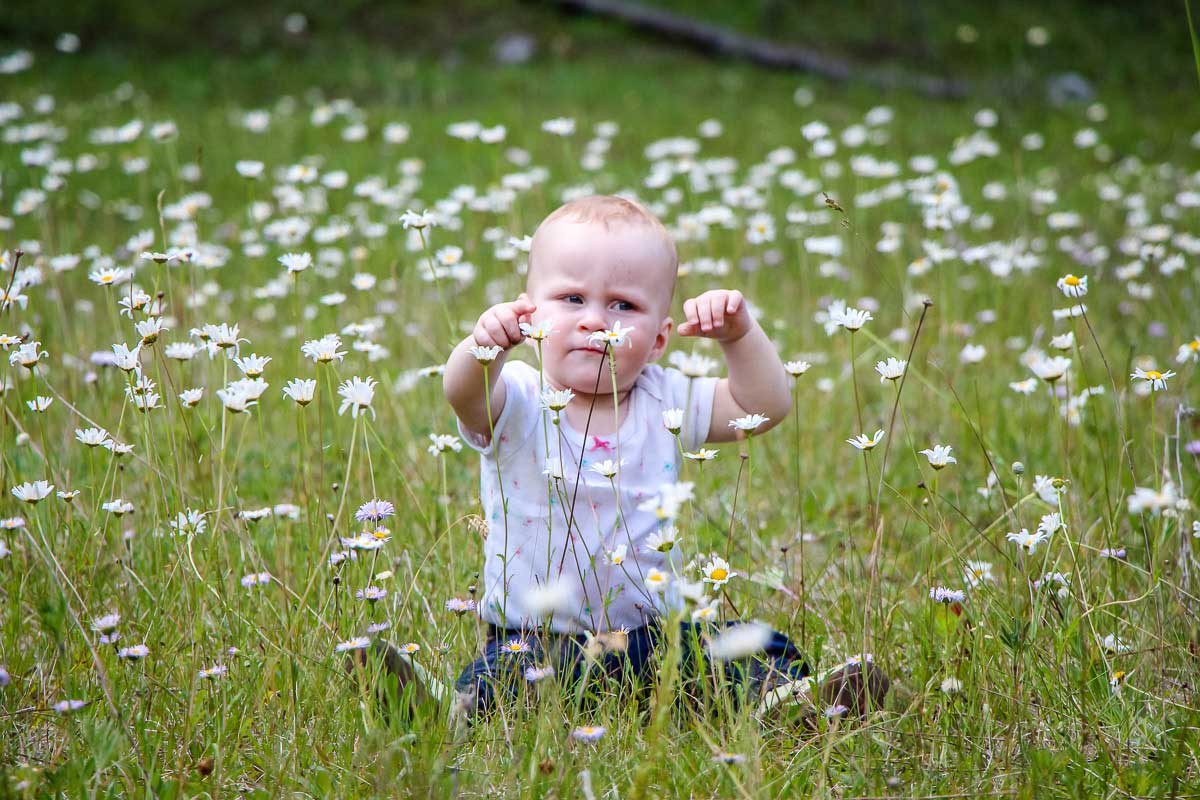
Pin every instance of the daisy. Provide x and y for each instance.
(890, 370)
(539, 332)
(324, 350)
(190, 398)
(616, 556)
(106, 623)
(357, 643)
(1025, 387)
(136, 652)
(249, 169)
(748, 423)
(1156, 379)
(939, 456)
(224, 337)
(701, 455)
(27, 355)
(256, 579)
(252, 365)
(607, 468)
(296, 262)
(942, 594)
(515, 647)
(410, 648)
(33, 492)
(235, 399)
(978, 573)
(673, 420)
(717, 572)
(852, 319)
(92, 437)
(457, 605)
(1064, 342)
(485, 355)
(657, 580)
(1113, 552)
(662, 540)
(557, 399)
(357, 395)
(535, 674)
(588, 733)
(797, 368)
(301, 390)
(443, 442)
(411, 219)
(1054, 578)
(1072, 286)
(972, 354)
(1050, 369)
(614, 336)
(374, 511)
(181, 351)
(371, 594)
(863, 442)
(739, 641)
(1025, 540)
(1189, 352)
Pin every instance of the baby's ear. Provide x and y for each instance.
(663, 338)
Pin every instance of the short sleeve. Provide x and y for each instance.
(694, 394)
(518, 419)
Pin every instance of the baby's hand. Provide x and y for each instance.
(501, 324)
(719, 314)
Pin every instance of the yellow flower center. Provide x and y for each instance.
(1153, 375)
(719, 574)
(1194, 344)
(1071, 280)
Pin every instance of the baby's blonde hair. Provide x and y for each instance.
(609, 210)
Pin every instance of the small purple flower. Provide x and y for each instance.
(1192, 448)
(535, 674)
(1113, 552)
(376, 627)
(588, 733)
(458, 605)
(374, 511)
(941, 594)
(834, 712)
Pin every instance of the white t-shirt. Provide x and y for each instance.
(532, 552)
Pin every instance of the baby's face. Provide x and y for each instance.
(586, 279)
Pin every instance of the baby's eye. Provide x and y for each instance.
(623, 305)
(573, 298)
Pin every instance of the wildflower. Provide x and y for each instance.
(1156, 379)
(835, 711)
(657, 580)
(862, 442)
(324, 350)
(662, 540)
(739, 641)
(1054, 578)
(706, 610)
(296, 262)
(1189, 352)
(357, 643)
(374, 510)
(249, 169)
(67, 497)
(539, 332)
(534, 674)
(92, 437)
(189, 522)
(972, 353)
(852, 319)
(301, 390)
(118, 507)
(224, 337)
(1113, 552)
(39, 403)
(256, 579)
(588, 733)
(117, 448)
(725, 757)
(515, 647)
(942, 594)
(134, 653)
(668, 501)
(749, 422)
(357, 395)
(63, 706)
(1072, 286)
(1064, 342)
(557, 399)
(977, 572)
(411, 219)
(717, 572)
(693, 365)
(701, 455)
(673, 420)
(560, 126)
(951, 686)
(379, 627)
(1117, 679)
(614, 337)
(106, 623)
(443, 442)
(150, 329)
(108, 276)
(1050, 369)
(371, 594)
(181, 351)
(33, 493)
(12, 523)
(410, 648)
(797, 368)
(235, 399)
(252, 365)
(1114, 645)
(1048, 488)
(939, 456)
(27, 355)
(1155, 501)
(485, 355)
(1025, 540)
(607, 468)
(554, 468)
(1025, 387)
(616, 556)
(457, 605)
(190, 398)
(890, 370)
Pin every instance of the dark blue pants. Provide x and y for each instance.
(501, 672)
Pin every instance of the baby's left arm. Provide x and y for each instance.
(757, 382)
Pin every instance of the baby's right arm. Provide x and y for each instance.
(462, 381)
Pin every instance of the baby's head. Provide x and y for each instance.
(595, 262)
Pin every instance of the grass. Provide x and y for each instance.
(1036, 711)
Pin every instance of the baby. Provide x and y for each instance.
(580, 465)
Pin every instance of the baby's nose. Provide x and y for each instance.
(590, 319)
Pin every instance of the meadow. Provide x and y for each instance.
(227, 292)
